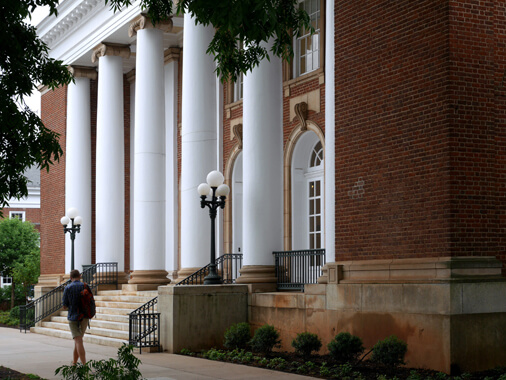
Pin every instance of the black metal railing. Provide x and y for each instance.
(294, 269)
(228, 267)
(50, 303)
(143, 326)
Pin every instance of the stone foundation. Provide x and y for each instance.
(196, 316)
(453, 317)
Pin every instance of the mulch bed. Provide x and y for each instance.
(6, 373)
(368, 370)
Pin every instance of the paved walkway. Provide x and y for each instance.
(41, 355)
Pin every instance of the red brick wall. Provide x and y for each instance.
(500, 119)
(52, 187)
(416, 120)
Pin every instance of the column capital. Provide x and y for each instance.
(171, 54)
(110, 49)
(144, 22)
(83, 71)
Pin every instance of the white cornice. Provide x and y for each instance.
(80, 26)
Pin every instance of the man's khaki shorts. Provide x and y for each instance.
(78, 328)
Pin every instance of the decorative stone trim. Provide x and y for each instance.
(110, 49)
(130, 76)
(83, 72)
(171, 54)
(149, 277)
(237, 131)
(301, 112)
(423, 270)
(184, 273)
(144, 22)
(257, 274)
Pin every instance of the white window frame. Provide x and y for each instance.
(315, 41)
(13, 214)
(239, 88)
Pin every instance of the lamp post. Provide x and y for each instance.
(215, 188)
(75, 226)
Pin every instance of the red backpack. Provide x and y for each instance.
(87, 307)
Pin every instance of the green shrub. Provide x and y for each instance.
(305, 343)
(346, 347)
(125, 368)
(265, 339)
(237, 336)
(14, 312)
(389, 351)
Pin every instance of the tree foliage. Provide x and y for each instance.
(18, 239)
(27, 271)
(238, 23)
(24, 63)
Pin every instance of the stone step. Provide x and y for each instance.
(145, 293)
(119, 305)
(95, 322)
(123, 298)
(104, 317)
(117, 334)
(114, 311)
(102, 340)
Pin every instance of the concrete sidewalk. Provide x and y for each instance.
(41, 355)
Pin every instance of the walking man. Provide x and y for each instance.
(77, 327)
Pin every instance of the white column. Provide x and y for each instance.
(198, 142)
(149, 182)
(330, 120)
(110, 173)
(262, 170)
(171, 175)
(78, 163)
(131, 80)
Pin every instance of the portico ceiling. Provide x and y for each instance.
(81, 25)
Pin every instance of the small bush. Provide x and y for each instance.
(390, 351)
(237, 336)
(305, 343)
(346, 347)
(14, 312)
(265, 339)
(125, 367)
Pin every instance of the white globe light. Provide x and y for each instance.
(72, 212)
(223, 190)
(65, 220)
(203, 189)
(78, 220)
(215, 178)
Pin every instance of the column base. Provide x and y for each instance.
(185, 272)
(260, 278)
(153, 278)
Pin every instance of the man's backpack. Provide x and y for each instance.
(87, 307)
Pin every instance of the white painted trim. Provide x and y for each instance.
(330, 167)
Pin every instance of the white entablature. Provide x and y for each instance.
(83, 24)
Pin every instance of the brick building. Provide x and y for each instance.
(383, 142)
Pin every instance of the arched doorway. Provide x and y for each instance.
(307, 174)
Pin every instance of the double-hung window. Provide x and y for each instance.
(307, 46)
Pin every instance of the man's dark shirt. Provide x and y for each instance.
(71, 299)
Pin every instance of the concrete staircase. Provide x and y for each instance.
(109, 327)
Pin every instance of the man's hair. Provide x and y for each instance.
(74, 274)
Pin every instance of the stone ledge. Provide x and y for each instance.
(418, 270)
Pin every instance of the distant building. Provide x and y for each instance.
(27, 209)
